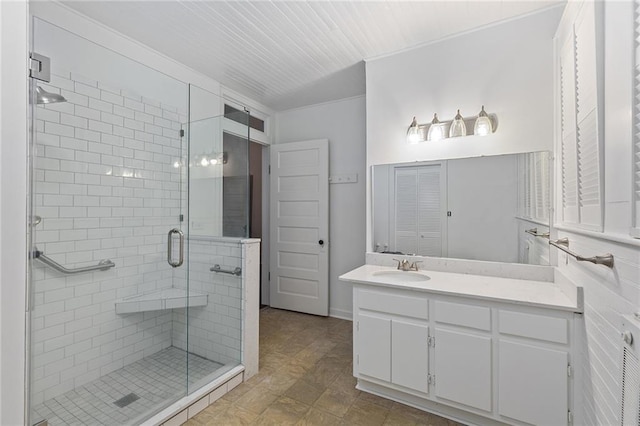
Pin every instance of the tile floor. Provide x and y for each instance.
(155, 379)
(306, 378)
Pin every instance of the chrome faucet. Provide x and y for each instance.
(405, 265)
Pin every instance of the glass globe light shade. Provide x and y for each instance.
(483, 124)
(413, 133)
(436, 130)
(458, 128)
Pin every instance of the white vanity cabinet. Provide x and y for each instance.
(391, 336)
(533, 367)
(462, 349)
(477, 360)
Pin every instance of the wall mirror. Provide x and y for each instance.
(470, 208)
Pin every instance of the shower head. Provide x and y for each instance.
(44, 97)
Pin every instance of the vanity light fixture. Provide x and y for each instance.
(483, 124)
(458, 128)
(413, 132)
(436, 130)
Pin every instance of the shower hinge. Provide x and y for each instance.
(181, 218)
(181, 133)
(269, 168)
(39, 67)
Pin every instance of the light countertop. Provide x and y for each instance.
(518, 291)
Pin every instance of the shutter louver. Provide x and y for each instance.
(635, 232)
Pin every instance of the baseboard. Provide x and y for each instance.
(341, 314)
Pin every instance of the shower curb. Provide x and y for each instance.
(184, 409)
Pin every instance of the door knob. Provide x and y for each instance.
(321, 242)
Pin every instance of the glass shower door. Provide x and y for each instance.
(108, 297)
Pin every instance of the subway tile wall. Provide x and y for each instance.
(106, 188)
(215, 330)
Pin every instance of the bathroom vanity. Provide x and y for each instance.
(473, 341)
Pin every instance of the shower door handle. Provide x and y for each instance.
(170, 248)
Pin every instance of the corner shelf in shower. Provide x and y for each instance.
(168, 298)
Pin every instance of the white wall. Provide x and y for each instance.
(13, 189)
(608, 293)
(507, 67)
(343, 123)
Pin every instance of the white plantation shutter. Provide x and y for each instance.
(635, 232)
(418, 210)
(588, 147)
(581, 170)
(569, 160)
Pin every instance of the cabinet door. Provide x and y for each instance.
(410, 355)
(374, 346)
(532, 384)
(463, 368)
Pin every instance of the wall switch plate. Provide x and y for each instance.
(344, 178)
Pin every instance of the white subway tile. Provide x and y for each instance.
(87, 90)
(47, 139)
(86, 201)
(61, 82)
(112, 160)
(112, 119)
(100, 148)
(99, 212)
(73, 212)
(85, 178)
(134, 104)
(48, 115)
(123, 112)
(55, 176)
(87, 135)
(57, 200)
(133, 124)
(73, 120)
(73, 166)
(75, 98)
(123, 132)
(112, 97)
(47, 163)
(101, 127)
(65, 107)
(59, 318)
(58, 129)
(72, 143)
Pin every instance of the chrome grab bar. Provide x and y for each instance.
(216, 268)
(563, 244)
(170, 248)
(534, 232)
(103, 265)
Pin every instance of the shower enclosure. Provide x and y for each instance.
(127, 311)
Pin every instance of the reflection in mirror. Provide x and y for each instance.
(471, 208)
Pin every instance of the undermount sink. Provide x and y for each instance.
(402, 276)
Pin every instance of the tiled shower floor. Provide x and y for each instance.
(153, 379)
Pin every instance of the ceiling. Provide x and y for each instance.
(287, 54)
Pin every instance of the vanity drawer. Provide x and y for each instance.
(478, 317)
(550, 329)
(404, 305)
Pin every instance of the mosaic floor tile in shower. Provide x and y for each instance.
(153, 380)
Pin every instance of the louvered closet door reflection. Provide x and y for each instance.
(418, 210)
